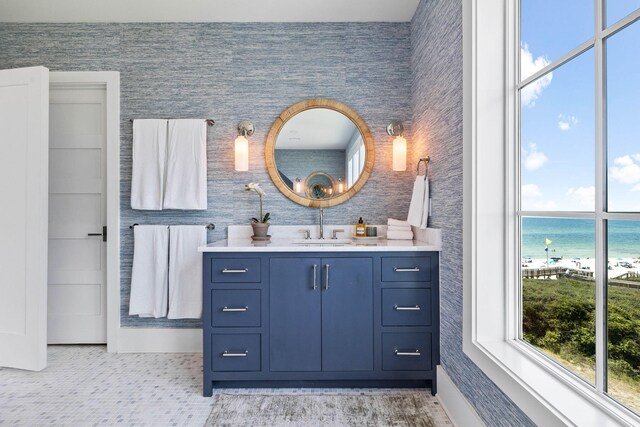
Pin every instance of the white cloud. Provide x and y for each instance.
(548, 205)
(566, 122)
(584, 196)
(636, 188)
(626, 170)
(528, 67)
(531, 190)
(533, 159)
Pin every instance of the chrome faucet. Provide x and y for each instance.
(322, 223)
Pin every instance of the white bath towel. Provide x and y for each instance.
(400, 235)
(185, 271)
(148, 164)
(398, 223)
(399, 228)
(149, 277)
(186, 184)
(419, 207)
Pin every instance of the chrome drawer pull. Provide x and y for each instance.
(243, 270)
(406, 270)
(401, 308)
(406, 353)
(326, 283)
(234, 309)
(227, 354)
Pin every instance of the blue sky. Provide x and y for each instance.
(558, 110)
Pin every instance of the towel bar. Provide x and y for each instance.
(208, 226)
(210, 122)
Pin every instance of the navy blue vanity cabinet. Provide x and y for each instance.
(321, 314)
(320, 319)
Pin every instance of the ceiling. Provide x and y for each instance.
(207, 10)
(316, 129)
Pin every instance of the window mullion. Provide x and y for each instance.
(601, 270)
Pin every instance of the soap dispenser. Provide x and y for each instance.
(361, 228)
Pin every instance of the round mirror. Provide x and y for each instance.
(319, 153)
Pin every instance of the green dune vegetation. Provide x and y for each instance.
(559, 319)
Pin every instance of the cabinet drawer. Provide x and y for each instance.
(235, 352)
(239, 308)
(406, 269)
(406, 351)
(235, 270)
(406, 307)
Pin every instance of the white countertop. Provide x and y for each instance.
(288, 245)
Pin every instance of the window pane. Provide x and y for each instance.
(550, 29)
(558, 297)
(624, 312)
(618, 9)
(557, 139)
(623, 126)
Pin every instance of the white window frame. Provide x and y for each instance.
(546, 392)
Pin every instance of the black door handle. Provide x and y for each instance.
(103, 234)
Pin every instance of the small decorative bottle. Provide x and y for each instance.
(361, 228)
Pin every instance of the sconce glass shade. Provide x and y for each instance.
(340, 185)
(399, 154)
(298, 188)
(242, 154)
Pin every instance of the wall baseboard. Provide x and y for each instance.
(460, 411)
(160, 340)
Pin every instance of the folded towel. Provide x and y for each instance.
(185, 271)
(148, 164)
(419, 207)
(398, 228)
(400, 235)
(149, 276)
(186, 184)
(397, 222)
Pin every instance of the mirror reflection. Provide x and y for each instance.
(319, 153)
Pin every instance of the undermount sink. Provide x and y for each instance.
(341, 242)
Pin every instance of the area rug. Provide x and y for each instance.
(392, 409)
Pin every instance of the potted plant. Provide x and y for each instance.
(261, 224)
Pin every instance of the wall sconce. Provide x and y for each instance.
(340, 185)
(298, 185)
(395, 128)
(245, 128)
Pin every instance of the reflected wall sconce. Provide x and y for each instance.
(298, 185)
(340, 185)
(396, 129)
(245, 128)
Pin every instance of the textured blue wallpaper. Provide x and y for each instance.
(231, 72)
(436, 40)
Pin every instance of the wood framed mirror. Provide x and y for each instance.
(321, 143)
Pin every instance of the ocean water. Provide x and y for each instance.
(575, 238)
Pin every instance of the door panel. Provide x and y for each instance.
(24, 115)
(347, 314)
(77, 194)
(295, 315)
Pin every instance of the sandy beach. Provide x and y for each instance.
(617, 266)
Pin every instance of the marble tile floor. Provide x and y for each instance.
(84, 385)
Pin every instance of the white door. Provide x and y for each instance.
(24, 129)
(77, 213)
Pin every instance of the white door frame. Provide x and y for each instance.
(111, 81)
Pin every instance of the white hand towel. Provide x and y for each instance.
(400, 235)
(148, 164)
(186, 184)
(185, 271)
(149, 277)
(398, 228)
(419, 207)
(397, 222)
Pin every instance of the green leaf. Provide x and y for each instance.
(266, 218)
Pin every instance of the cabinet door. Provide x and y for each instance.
(347, 314)
(295, 324)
